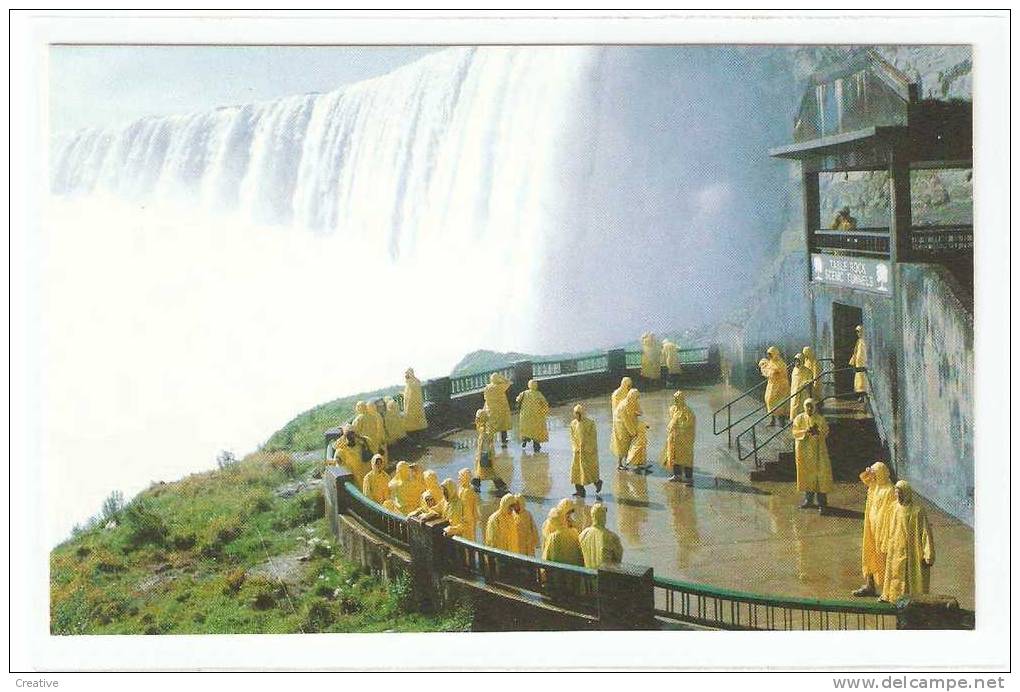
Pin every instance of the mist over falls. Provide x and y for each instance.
(209, 276)
(606, 190)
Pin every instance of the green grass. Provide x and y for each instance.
(304, 432)
(191, 557)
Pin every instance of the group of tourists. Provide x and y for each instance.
(897, 548)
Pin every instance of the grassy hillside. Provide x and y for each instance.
(304, 432)
(243, 549)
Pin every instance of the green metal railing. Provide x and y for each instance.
(712, 607)
(566, 585)
(697, 355)
(476, 382)
(570, 366)
(388, 523)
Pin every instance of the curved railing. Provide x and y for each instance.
(717, 608)
(570, 366)
(575, 588)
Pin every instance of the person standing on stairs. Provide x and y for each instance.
(773, 369)
(859, 361)
(811, 454)
(800, 387)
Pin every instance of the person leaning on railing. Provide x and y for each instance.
(350, 450)
(599, 545)
(376, 485)
(525, 539)
(404, 497)
(469, 500)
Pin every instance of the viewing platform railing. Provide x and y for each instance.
(628, 590)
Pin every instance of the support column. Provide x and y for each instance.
(900, 250)
(437, 394)
(428, 561)
(333, 479)
(626, 597)
(812, 211)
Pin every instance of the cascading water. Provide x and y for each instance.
(210, 275)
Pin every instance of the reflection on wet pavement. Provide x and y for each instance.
(725, 531)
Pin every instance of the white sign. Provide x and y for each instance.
(851, 272)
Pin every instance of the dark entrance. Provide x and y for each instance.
(845, 319)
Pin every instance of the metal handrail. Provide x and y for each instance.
(381, 519)
(753, 428)
(740, 610)
(730, 423)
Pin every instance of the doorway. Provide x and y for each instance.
(845, 319)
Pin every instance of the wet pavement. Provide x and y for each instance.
(725, 531)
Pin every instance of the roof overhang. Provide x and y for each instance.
(869, 137)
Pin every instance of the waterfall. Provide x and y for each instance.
(210, 275)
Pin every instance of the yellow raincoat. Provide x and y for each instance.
(394, 422)
(469, 500)
(620, 393)
(454, 511)
(812, 364)
(525, 533)
(584, 468)
(484, 444)
(799, 377)
(431, 483)
(910, 548)
(364, 425)
(679, 450)
(564, 509)
(534, 410)
(404, 495)
(877, 512)
(599, 545)
(859, 359)
(814, 470)
(671, 357)
(651, 357)
(562, 543)
(500, 530)
(414, 403)
(625, 424)
(349, 456)
(376, 485)
(497, 403)
(773, 368)
(637, 455)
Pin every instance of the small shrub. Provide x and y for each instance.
(401, 594)
(112, 506)
(225, 459)
(220, 531)
(319, 616)
(233, 581)
(144, 525)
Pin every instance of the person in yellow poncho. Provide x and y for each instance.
(620, 393)
(525, 533)
(378, 422)
(455, 512)
(599, 545)
(469, 499)
(671, 360)
(773, 368)
(485, 450)
(430, 482)
(364, 426)
(637, 455)
(859, 360)
(417, 479)
(678, 455)
(910, 548)
(500, 529)
(414, 403)
(495, 396)
(800, 387)
(534, 410)
(811, 453)
(626, 424)
(394, 422)
(348, 451)
(811, 363)
(562, 544)
(651, 357)
(376, 485)
(584, 468)
(564, 509)
(878, 508)
(429, 508)
(404, 495)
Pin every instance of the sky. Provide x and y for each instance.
(104, 86)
